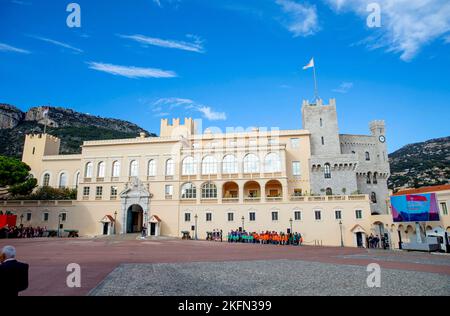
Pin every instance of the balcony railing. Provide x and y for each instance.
(274, 199)
(252, 199)
(230, 200)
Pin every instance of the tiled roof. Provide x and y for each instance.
(424, 190)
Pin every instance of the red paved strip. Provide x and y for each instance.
(48, 258)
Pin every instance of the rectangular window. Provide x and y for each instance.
(338, 215)
(298, 192)
(98, 192)
(298, 215)
(208, 217)
(45, 217)
(296, 171)
(358, 214)
(169, 191)
(252, 216)
(273, 141)
(231, 217)
(295, 143)
(318, 215)
(63, 217)
(28, 217)
(444, 208)
(187, 217)
(113, 192)
(86, 191)
(274, 216)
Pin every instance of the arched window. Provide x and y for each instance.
(367, 156)
(116, 169)
(188, 191)
(272, 163)
(152, 168)
(101, 170)
(369, 177)
(189, 167)
(134, 168)
(323, 140)
(375, 178)
(229, 164)
(63, 180)
(251, 164)
(373, 197)
(89, 170)
(329, 191)
(327, 171)
(46, 180)
(321, 122)
(209, 191)
(170, 168)
(209, 165)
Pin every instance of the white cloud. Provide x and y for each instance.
(131, 71)
(9, 48)
(57, 43)
(160, 108)
(407, 25)
(302, 17)
(211, 115)
(196, 46)
(344, 87)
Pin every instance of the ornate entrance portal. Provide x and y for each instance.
(135, 219)
(135, 207)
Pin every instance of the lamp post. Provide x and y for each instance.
(115, 221)
(196, 220)
(243, 221)
(291, 221)
(342, 237)
(59, 225)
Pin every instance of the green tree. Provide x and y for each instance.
(15, 177)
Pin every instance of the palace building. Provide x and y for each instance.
(330, 187)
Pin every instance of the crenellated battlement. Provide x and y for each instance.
(176, 128)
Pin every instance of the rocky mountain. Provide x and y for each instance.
(72, 127)
(421, 164)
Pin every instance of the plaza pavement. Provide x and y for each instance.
(176, 267)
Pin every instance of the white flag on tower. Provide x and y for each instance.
(310, 65)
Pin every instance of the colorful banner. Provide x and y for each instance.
(415, 208)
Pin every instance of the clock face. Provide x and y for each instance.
(382, 139)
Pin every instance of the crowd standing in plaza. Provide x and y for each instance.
(22, 232)
(265, 238)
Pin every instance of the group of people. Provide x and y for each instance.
(22, 232)
(265, 238)
(377, 242)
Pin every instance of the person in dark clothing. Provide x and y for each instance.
(13, 274)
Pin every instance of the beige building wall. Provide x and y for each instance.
(144, 168)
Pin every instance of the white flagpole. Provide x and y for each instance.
(45, 124)
(316, 90)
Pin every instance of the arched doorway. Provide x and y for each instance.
(135, 219)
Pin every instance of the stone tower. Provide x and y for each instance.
(37, 146)
(321, 121)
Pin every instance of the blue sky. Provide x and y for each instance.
(233, 63)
